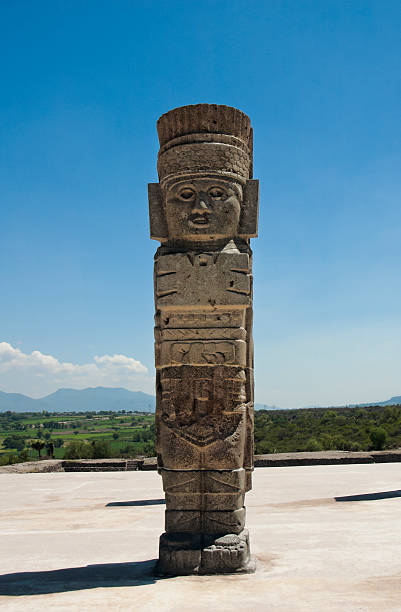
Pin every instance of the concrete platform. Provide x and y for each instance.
(325, 537)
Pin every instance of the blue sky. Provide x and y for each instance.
(83, 84)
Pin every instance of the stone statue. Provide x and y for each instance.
(204, 210)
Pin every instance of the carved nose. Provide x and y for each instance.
(201, 205)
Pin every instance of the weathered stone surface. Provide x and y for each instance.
(229, 553)
(202, 280)
(205, 521)
(186, 553)
(204, 210)
(204, 489)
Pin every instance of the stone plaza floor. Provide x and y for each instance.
(326, 538)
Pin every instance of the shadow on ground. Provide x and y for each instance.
(369, 496)
(78, 578)
(138, 502)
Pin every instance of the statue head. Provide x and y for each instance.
(202, 207)
(205, 192)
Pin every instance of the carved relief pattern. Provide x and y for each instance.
(215, 279)
(204, 405)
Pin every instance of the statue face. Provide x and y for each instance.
(203, 208)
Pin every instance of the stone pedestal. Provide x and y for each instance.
(203, 211)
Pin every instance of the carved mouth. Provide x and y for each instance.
(198, 220)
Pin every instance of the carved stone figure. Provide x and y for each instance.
(204, 210)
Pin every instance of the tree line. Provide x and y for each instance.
(126, 435)
(320, 429)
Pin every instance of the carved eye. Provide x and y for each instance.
(186, 194)
(217, 193)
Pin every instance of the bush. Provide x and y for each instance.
(339, 443)
(101, 449)
(4, 459)
(313, 445)
(327, 442)
(17, 442)
(149, 449)
(378, 438)
(23, 455)
(129, 450)
(8, 459)
(262, 447)
(77, 449)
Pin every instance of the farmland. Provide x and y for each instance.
(76, 435)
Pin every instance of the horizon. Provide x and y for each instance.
(82, 389)
(82, 91)
(268, 406)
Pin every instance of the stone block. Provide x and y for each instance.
(202, 352)
(222, 522)
(179, 554)
(204, 490)
(182, 320)
(183, 521)
(202, 280)
(200, 521)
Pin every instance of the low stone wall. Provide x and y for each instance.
(326, 458)
(109, 465)
(272, 460)
(386, 456)
(98, 465)
(33, 467)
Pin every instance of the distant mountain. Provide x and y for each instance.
(16, 402)
(92, 399)
(80, 400)
(108, 398)
(391, 402)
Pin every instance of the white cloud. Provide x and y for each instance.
(38, 374)
(120, 361)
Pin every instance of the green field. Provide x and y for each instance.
(107, 434)
(82, 435)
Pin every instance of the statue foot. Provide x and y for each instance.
(184, 554)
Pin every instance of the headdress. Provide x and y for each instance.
(204, 138)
